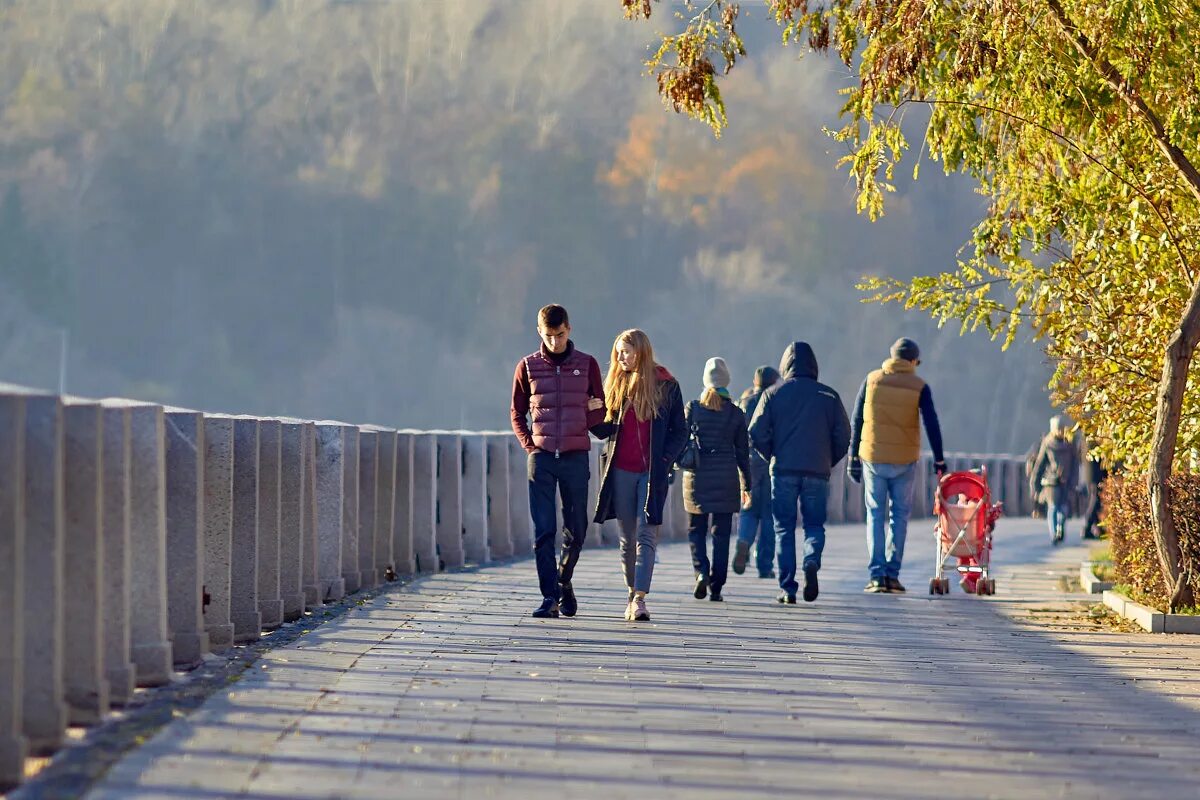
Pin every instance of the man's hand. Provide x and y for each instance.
(745, 500)
(854, 469)
(939, 468)
(595, 403)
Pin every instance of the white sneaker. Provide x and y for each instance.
(640, 614)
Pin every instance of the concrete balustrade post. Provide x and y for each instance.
(45, 710)
(610, 531)
(368, 496)
(218, 528)
(291, 519)
(402, 514)
(13, 745)
(350, 511)
(308, 519)
(150, 643)
(595, 532)
(185, 529)
(475, 499)
(85, 684)
(921, 487)
(424, 503)
(499, 520)
(836, 509)
(118, 666)
(243, 577)
(270, 602)
(330, 476)
(449, 501)
(385, 505)
(521, 529)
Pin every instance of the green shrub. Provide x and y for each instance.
(1127, 521)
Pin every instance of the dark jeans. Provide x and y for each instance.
(1091, 527)
(788, 489)
(568, 474)
(717, 570)
(758, 523)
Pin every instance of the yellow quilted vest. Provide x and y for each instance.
(891, 432)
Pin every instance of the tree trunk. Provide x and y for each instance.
(1169, 408)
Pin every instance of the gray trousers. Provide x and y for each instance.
(639, 540)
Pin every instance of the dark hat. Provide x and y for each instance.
(906, 349)
(765, 376)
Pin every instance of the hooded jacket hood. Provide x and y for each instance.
(798, 361)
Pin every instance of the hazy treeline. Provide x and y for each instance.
(353, 210)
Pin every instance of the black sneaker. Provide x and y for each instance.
(894, 585)
(767, 576)
(715, 596)
(568, 604)
(701, 587)
(786, 599)
(811, 588)
(741, 555)
(876, 586)
(548, 609)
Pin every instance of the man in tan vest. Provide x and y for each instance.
(885, 447)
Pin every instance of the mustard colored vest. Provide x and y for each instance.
(891, 432)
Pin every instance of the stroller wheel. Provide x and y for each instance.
(945, 586)
(935, 586)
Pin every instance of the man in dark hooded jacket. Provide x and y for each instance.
(755, 521)
(800, 427)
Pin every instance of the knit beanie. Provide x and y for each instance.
(765, 377)
(906, 349)
(716, 374)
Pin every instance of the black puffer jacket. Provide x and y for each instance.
(800, 423)
(714, 488)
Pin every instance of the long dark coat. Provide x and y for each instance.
(668, 435)
(714, 487)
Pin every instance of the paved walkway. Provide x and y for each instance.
(446, 689)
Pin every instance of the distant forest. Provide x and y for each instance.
(353, 210)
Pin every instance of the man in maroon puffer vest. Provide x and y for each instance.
(552, 387)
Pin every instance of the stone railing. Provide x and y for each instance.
(136, 538)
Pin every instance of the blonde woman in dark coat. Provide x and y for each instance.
(718, 488)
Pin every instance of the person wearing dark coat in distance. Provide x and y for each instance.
(721, 482)
(801, 427)
(646, 432)
(755, 521)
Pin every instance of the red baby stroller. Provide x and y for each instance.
(966, 517)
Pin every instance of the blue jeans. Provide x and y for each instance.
(813, 495)
(1056, 515)
(757, 522)
(888, 485)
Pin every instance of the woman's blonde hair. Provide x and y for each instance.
(712, 399)
(641, 388)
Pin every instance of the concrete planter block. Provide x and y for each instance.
(13, 745)
(185, 536)
(385, 505)
(368, 496)
(1115, 600)
(521, 525)
(449, 501)
(151, 645)
(1087, 578)
(350, 500)
(270, 602)
(330, 475)
(402, 508)
(45, 711)
(122, 675)
(243, 574)
(499, 518)
(475, 499)
(291, 519)
(1150, 619)
(308, 521)
(85, 682)
(424, 502)
(218, 529)
(1181, 623)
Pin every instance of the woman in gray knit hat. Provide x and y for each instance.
(720, 484)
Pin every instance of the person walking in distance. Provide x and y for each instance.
(801, 428)
(646, 432)
(720, 483)
(553, 386)
(755, 522)
(1055, 473)
(885, 448)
